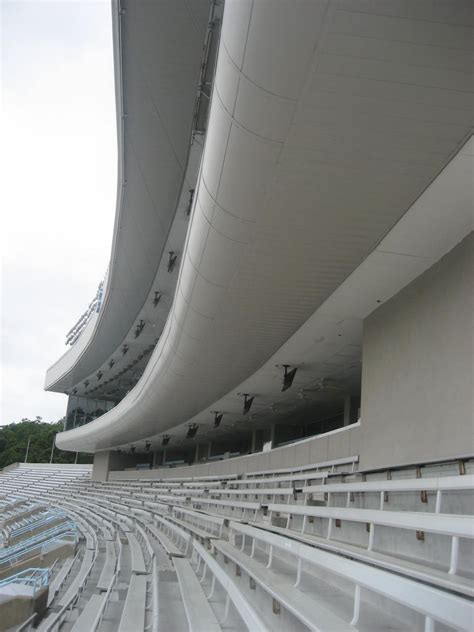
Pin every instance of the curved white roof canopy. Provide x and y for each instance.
(157, 55)
(321, 136)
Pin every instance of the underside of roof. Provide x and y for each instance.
(322, 136)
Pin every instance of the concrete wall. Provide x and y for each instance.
(337, 443)
(417, 367)
(109, 460)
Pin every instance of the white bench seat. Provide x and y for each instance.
(60, 578)
(229, 504)
(171, 549)
(169, 499)
(453, 525)
(257, 491)
(442, 579)
(461, 526)
(309, 609)
(201, 534)
(108, 568)
(199, 613)
(133, 615)
(441, 483)
(72, 591)
(246, 611)
(432, 603)
(275, 480)
(209, 520)
(89, 617)
(345, 460)
(138, 561)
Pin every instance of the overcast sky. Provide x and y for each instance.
(57, 198)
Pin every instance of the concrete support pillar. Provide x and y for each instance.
(347, 410)
(196, 453)
(254, 441)
(351, 407)
(163, 460)
(109, 461)
(272, 435)
(209, 449)
(102, 466)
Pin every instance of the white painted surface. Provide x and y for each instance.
(289, 206)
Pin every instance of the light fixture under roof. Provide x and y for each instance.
(217, 418)
(165, 439)
(190, 203)
(248, 401)
(288, 376)
(192, 431)
(139, 328)
(173, 257)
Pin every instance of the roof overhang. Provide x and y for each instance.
(312, 159)
(157, 59)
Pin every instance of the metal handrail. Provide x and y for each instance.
(36, 539)
(35, 577)
(156, 598)
(38, 521)
(22, 551)
(58, 619)
(27, 625)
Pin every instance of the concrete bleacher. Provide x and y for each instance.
(319, 547)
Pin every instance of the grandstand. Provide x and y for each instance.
(275, 377)
(321, 547)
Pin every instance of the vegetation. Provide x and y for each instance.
(14, 441)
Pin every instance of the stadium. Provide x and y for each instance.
(275, 376)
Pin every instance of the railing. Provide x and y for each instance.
(57, 620)
(35, 577)
(36, 523)
(27, 625)
(156, 602)
(93, 307)
(20, 550)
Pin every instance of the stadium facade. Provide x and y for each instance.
(275, 375)
(294, 193)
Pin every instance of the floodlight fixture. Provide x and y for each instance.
(248, 401)
(217, 418)
(288, 376)
(192, 431)
(173, 257)
(190, 203)
(139, 328)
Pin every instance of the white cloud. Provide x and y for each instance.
(58, 197)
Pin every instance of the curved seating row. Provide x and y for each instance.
(313, 547)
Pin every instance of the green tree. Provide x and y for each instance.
(14, 439)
